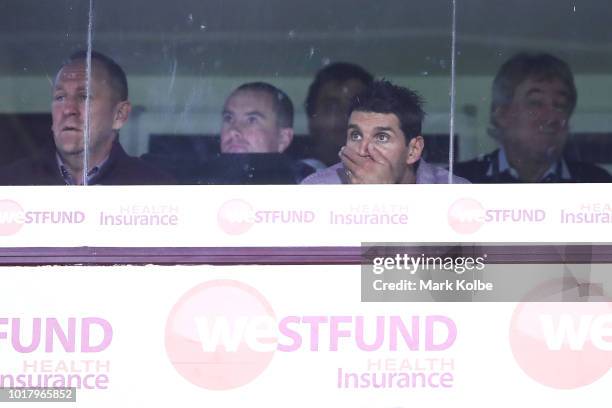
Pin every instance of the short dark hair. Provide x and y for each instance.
(384, 97)
(282, 103)
(336, 72)
(524, 65)
(117, 76)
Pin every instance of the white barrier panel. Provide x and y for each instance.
(287, 336)
(234, 216)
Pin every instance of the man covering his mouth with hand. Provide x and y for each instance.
(383, 142)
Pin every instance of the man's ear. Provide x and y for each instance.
(415, 149)
(285, 138)
(122, 114)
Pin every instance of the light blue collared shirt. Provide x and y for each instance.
(553, 170)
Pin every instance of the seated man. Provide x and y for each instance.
(256, 129)
(107, 162)
(327, 103)
(384, 142)
(257, 118)
(533, 99)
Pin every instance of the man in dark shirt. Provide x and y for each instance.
(256, 130)
(533, 99)
(105, 98)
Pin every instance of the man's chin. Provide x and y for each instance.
(236, 150)
(70, 151)
(549, 154)
(69, 142)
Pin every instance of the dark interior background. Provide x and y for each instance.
(184, 57)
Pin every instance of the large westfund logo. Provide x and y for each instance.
(223, 334)
(563, 345)
(13, 217)
(192, 345)
(237, 216)
(467, 215)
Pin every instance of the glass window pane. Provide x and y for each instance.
(185, 59)
(532, 91)
(35, 38)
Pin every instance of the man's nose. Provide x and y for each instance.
(363, 147)
(235, 128)
(71, 106)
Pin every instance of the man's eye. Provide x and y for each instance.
(382, 137)
(58, 98)
(83, 97)
(227, 117)
(562, 107)
(355, 136)
(252, 120)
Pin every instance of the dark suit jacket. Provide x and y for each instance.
(477, 171)
(120, 169)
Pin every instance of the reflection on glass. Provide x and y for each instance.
(183, 59)
(35, 37)
(529, 91)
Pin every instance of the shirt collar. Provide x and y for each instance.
(68, 179)
(504, 166)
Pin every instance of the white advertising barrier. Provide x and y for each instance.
(234, 216)
(283, 336)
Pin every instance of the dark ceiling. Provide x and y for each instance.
(295, 38)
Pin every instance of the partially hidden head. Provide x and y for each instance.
(327, 104)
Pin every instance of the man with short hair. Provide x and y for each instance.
(256, 130)
(327, 103)
(383, 142)
(109, 109)
(257, 118)
(534, 96)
